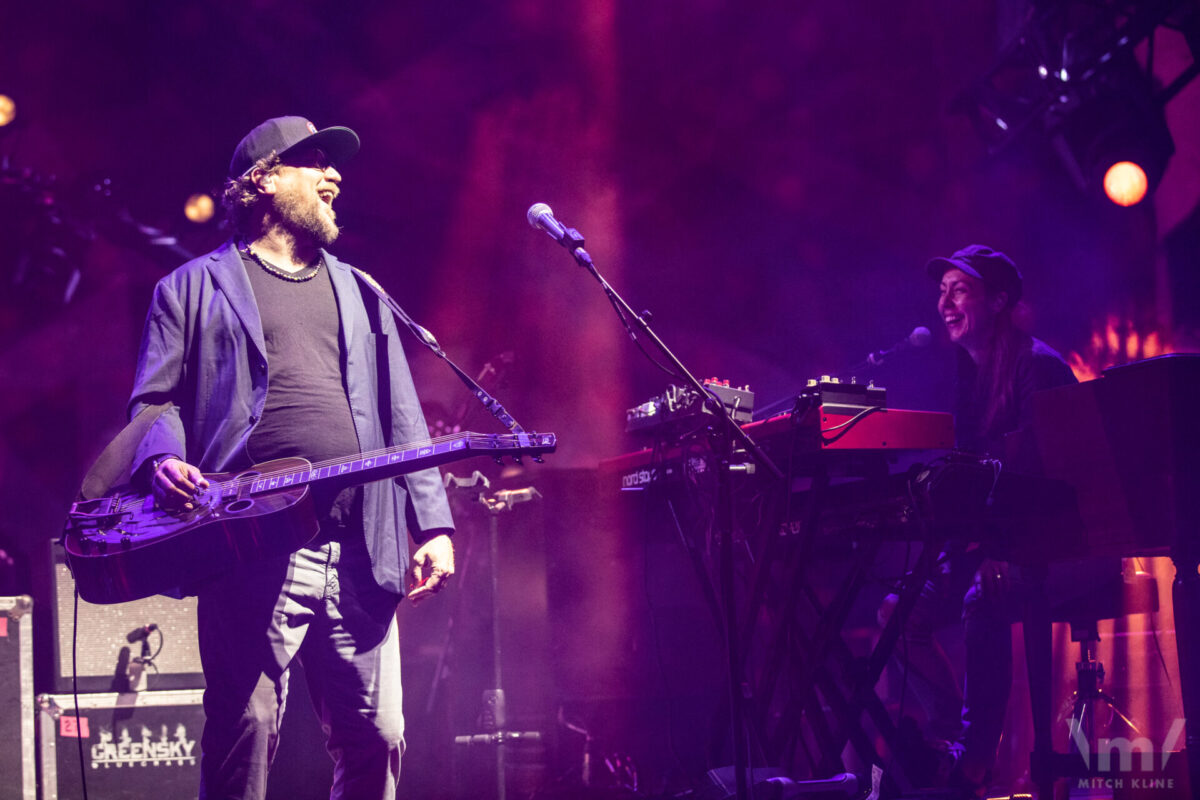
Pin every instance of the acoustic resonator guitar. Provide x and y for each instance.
(123, 546)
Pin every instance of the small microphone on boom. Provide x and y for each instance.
(920, 337)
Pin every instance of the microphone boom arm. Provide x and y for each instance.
(639, 324)
(724, 439)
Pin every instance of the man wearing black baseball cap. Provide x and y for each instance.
(270, 347)
(282, 135)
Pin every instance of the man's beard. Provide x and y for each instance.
(301, 213)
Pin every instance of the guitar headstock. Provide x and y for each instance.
(516, 445)
(542, 444)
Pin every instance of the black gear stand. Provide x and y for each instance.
(727, 439)
(495, 715)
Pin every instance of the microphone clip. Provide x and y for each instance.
(571, 239)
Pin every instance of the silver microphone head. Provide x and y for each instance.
(920, 336)
(535, 214)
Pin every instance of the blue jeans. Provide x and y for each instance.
(321, 605)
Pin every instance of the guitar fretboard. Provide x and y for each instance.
(367, 467)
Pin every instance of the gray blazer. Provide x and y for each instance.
(202, 350)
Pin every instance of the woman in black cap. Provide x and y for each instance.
(1000, 367)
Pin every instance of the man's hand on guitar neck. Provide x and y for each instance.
(175, 484)
(432, 566)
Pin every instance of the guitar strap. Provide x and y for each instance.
(426, 338)
(113, 464)
(382, 365)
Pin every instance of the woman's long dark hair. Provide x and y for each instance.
(996, 376)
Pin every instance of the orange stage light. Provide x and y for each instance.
(199, 208)
(1125, 183)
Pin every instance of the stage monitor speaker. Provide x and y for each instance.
(17, 767)
(770, 783)
(135, 745)
(106, 661)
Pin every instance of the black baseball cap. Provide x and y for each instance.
(996, 270)
(283, 134)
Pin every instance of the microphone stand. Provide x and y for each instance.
(495, 712)
(726, 437)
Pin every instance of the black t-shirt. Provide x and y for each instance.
(1038, 366)
(307, 412)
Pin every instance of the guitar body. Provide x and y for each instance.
(152, 551)
(123, 546)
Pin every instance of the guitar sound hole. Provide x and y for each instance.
(238, 506)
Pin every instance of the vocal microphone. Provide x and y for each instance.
(920, 337)
(137, 634)
(541, 218)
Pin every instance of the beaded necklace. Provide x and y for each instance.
(296, 277)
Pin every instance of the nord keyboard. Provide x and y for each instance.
(838, 431)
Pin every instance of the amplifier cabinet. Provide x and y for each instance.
(106, 660)
(17, 769)
(135, 744)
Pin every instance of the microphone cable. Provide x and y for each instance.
(75, 692)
